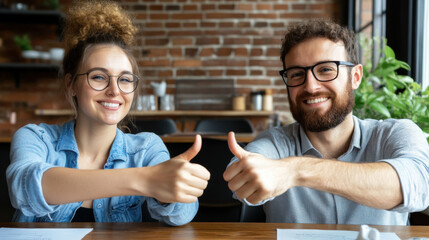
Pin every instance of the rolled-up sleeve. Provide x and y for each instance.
(174, 214)
(24, 175)
(410, 158)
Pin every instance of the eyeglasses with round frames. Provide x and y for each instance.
(323, 71)
(98, 79)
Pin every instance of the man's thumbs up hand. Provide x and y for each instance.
(254, 177)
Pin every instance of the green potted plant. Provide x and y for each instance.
(24, 44)
(384, 93)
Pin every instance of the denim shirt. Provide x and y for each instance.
(400, 143)
(37, 148)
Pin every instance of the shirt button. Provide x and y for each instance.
(99, 205)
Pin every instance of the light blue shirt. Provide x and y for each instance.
(37, 148)
(401, 143)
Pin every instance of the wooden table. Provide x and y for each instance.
(209, 230)
(189, 138)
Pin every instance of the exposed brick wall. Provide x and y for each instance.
(183, 39)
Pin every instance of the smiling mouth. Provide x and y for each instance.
(110, 105)
(316, 100)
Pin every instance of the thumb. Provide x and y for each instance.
(192, 151)
(236, 149)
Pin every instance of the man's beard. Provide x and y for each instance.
(316, 122)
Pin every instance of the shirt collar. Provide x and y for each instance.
(306, 145)
(67, 141)
(118, 151)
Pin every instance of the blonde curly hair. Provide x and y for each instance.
(89, 23)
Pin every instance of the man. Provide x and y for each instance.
(330, 167)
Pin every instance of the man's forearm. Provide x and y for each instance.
(372, 184)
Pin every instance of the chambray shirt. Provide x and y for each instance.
(37, 148)
(401, 143)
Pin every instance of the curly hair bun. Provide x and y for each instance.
(97, 21)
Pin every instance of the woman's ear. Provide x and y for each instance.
(357, 73)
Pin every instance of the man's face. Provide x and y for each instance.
(319, 106)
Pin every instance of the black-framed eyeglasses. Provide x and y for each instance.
(98, 79)
(323, 71)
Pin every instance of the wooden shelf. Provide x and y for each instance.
(179, 113)
(29, 66)
(31, 16)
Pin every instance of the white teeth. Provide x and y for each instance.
(316, 100)
(110, 105)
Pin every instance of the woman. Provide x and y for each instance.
(88, 169)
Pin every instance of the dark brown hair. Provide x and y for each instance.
(301, 31)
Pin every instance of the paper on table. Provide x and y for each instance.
(311, 234)
(43, 233)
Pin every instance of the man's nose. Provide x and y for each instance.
(311, 83)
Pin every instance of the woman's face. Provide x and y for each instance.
(108, 106)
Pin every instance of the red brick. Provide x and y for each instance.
(205, 7)
(226, 7)
(190, 25)
(189, 7)
(277, 24)
(186, 16)
(182, 33)
(155, 63)
(265, 63)
(207, 52)
(191, 52)
(159, 16)
(172, 25)
(235, 72)
(224, 62)
(281, 7)
(158, 41)
(182, 41)
(226, 24)
(165, 73)
(218, 15)
(207, 41)
(243, 24)
(157, 52)
(208, 24)
(256, 72)
(153, 25)
(256, 52)
(245, 6)
(224, 52)
(297, 6)
(190, 72)
(263, 15)
(267, 41)
(241, 52)
(141, 16)
(186, 63)
(256, 81)
(155, 7)
(273, 52)
(264, 7)
(176, 52)
(153, 33)
(215, 73)
(236, 41)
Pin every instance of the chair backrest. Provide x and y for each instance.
(158, 126)
(6, 209)
(224, 125)
(216, 203)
